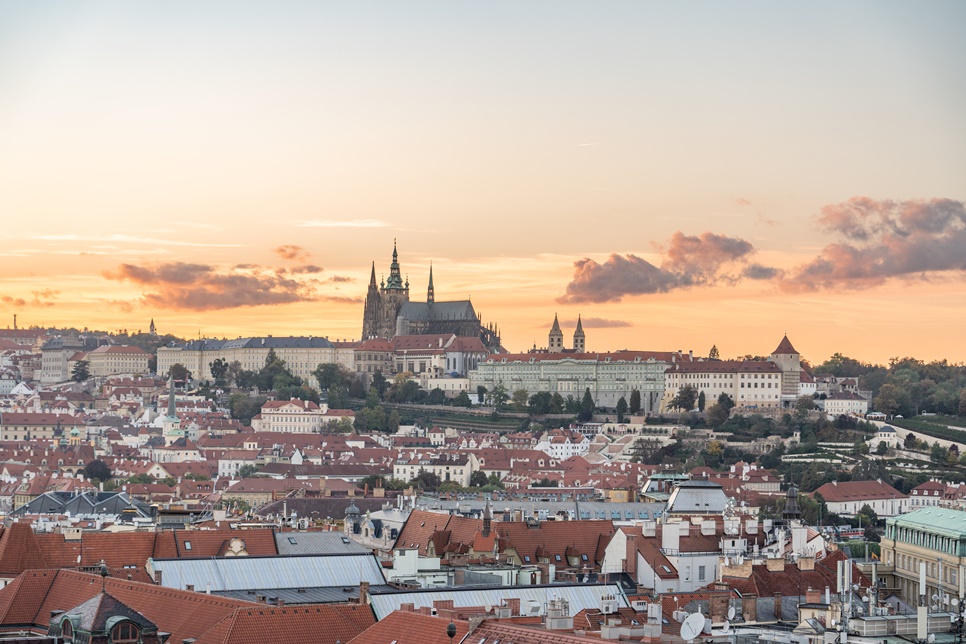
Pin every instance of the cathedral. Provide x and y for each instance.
(389, 312)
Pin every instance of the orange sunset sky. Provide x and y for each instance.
(678, 174)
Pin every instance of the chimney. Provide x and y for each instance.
(778, 606)
(630, 561)
(363, 592)
(749, 608)
(671, 536)
(813, 596)
(719, 608)
(514, 605)
(190, 587)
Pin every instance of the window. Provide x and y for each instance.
(583, 557)
(556, 557)
(67, 630)
(526, 558)
(292, 541)
(124, 633)
(187, 545)
(700, 573)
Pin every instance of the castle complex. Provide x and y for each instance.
(388, 311)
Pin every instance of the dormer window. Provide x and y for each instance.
(125, 633)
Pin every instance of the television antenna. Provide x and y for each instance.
(692, 626)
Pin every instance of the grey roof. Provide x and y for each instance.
(579, 596)
(317, 543)
(108, 503)
(697, 497)
(247, 573)
(438, 311)
(581, 510)
(320, 507)
(267, 342)
(317, 595)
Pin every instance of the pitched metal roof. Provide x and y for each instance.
(579, 596)
(935, 520)
(246, 573)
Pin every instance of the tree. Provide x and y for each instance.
(539, 403)
(701, 400)
(725, 401)
(97, 470)
(462, 400)
(436, 397)
(247, 471)
(717, 415)
(498, 397)
(179, 372)
(392, 425)
(962, 403)
(635, 404)
(245, 407)
(478, 479)
(556, 404)
(427, 480)
(937, 453)
(330, 375)
(685, 399)
(519, 400)
(621, 409)
(586, 407)
(889, 399)
(81, 371)
(545, 482)
(910, 441)
(882, 448)
(803, 405)
(218, 368)
(713, 354)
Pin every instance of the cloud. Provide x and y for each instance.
(335, 223)
(308, 269)
(200, 287)
(688, 261)
(127, 239)
(41, 298)
(883, 240)
(292, 252)
(760, 272)
(340, 279)
(599, 323)
(741, 201)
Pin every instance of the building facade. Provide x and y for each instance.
(750, 384)
(297, 416)
(113, 360)
(608, 376)
(302, 354)
(934, 536)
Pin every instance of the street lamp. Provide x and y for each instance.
(451, 631)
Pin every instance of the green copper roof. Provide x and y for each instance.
(942, 521)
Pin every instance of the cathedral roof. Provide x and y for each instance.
(438, 312)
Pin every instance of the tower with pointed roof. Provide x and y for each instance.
(555, 338)
(580, 343)
(790, 363)
(430, 292)
(171, 424)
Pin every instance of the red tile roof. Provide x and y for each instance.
(322, 623)
(784, 347)
(410, 628)
(858, 491)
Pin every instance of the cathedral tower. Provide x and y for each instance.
(580, 344)
(555, 339)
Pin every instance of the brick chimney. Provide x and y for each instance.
(513, 603)
(813, 596)
(719, 608)
(363, 592)
(630, 561)
(749, 608)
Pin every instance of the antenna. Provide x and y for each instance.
(692, 626)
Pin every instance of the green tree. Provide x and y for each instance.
(556, 404)
(937, 453)
(803, 405)
(882, 448)
(245, 407)
(247, 471)
(81, 371)
(97, 470)
(713, 354)
(685, 398)
(545, 482)
(179, 372)
(962, 403)
(392, 425)
(498, 397)
(478, 479)
(539, 403)
(219, 368)
(426, 480)
(330, 375)
(380, 383)
(717, 415)
(621, 409)
(519, 400)
(725, 401)
(436, 397)
(910, 441)
(586, 407)
(462, 399)
(889, 400)
(701, 401)
(635, 404)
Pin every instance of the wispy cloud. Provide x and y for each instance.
(598, 323)
(128, 239)
(344, 223)
(292, 252)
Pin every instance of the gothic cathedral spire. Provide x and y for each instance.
(580, 344)
(430, 292)
(555, 340)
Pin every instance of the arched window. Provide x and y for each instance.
(67, 630)
(125, 633)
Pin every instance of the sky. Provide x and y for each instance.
(679, 175)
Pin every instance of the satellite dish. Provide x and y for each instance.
(865, 598)
(731, 612)
(707, 626)
(931, 637)
(954, 601)
(487, 609)
(692, 626)
(935, 597)
(727, 627)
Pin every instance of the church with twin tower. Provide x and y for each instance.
(389, 312)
